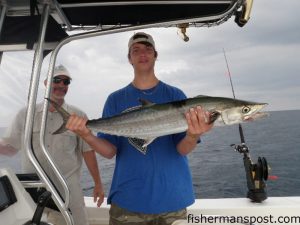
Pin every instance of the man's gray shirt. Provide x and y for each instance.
(65, 148)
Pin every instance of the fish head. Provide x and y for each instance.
(240, 112)
(258, 116)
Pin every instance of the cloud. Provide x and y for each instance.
(263, 58)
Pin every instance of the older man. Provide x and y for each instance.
(67, 149)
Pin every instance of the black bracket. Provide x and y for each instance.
(42, 201)
(256, 173)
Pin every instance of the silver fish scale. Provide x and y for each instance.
(145, 123)
(156, 120)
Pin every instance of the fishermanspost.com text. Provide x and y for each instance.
(220, 219)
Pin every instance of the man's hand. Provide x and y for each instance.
(198, 122)
(77, 124)
(6, 149)
(98, 194)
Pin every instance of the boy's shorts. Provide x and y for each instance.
(120, 216)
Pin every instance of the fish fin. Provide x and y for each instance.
(213, 116)
(60, 130)
(201, 96)
(145, 102)
(65, 115)
(140, 144)
(132, 108)
(148, 142)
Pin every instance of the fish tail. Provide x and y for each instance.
(65, 115)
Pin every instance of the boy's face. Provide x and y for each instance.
(142, 57)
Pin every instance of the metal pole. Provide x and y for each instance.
(35, 76)
(100, 33)
(117, 3)
(2, 16)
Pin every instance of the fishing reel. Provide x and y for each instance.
(256, 173)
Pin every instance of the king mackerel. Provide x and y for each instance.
(145, 123)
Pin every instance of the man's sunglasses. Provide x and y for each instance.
(57, 80)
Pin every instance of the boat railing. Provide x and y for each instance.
(35, 77)
(62, 204)
(32, 184)
(54, 54)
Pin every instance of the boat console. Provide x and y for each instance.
(7, 194)
(16, 205)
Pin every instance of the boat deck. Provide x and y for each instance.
(283, 210)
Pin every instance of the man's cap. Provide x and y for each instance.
(61, 70)
(141, 37)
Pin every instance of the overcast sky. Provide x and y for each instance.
(263, 56)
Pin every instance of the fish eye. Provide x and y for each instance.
(246, 109)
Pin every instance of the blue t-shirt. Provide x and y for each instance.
(159, 181)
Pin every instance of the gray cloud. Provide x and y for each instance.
(263, 58)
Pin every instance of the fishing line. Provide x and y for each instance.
(229, 74)
(233, 93)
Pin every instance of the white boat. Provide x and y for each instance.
(60, 16)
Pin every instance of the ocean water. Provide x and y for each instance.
(218, 170)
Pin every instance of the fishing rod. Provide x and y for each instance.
(256, 173)
(233, 93)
